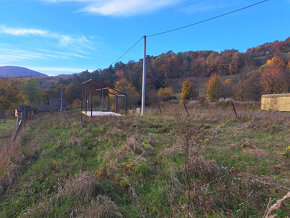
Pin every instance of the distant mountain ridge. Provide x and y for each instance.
(14, 71)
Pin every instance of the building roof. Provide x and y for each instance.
(57, 102)
(276, 95)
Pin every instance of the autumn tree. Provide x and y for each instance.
(127, 87)
(252, 89)
(235, 64)
(288, 76)
(228, 88)
(272, 78)
(240, 93)
(211, 63)
(187, 91)
(10, 94)
(32, 92)
(120, 74)
(277, 62)
(214, 88)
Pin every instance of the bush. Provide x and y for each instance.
(165, 93)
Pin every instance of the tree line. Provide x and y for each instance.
(16, 91)
(263, 69)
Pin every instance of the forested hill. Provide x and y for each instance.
(206, 63)
(13, 71)
(164, 70)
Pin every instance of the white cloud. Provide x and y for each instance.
(20, 56)
(62, 55)
(11, 56)
(47, 47)
(121, 7)
(207, 5)
(81, 1)
(21, 31)
(74, 43)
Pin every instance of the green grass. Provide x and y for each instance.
(6, 131)
(135, 166)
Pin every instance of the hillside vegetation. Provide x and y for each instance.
(241, 76)
(7, 131)
(261, 70)
(170, 165)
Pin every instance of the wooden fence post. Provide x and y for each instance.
(185, 108)
(233, 105)
(159, 108)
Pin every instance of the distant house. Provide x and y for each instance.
(23, 108)
(55, 104)
(24, 112)
(276, 102)
(35, 108)
(41, 108)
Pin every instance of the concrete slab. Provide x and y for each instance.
(100, 113)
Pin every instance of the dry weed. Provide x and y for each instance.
(76, 141)
(83, 185)
(112, 168)
(39, 209)
(102, 207)
(133, 145)
(276, 206)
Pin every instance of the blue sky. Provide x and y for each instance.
(68, 36)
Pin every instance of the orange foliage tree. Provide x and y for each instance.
(272, 79)
(120, 74)
(277, 61)
(127, 87)
(214, 88)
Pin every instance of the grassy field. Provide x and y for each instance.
(6, 131)
(170, 165)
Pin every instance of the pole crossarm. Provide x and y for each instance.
(116, 95)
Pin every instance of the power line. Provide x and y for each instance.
(189, 25)
(208, 19)
(129, 49)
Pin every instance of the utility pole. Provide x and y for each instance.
(61, 98)
(144, 79)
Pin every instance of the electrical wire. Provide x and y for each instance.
(208, 19)
(129, 49)
(189, 25)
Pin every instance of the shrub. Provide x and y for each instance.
(165, 93)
